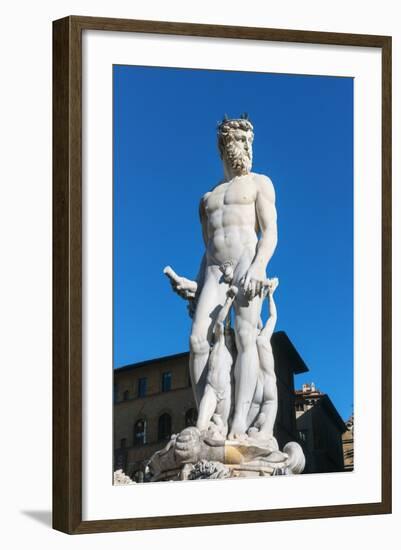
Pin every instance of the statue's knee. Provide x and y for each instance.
(198, 344)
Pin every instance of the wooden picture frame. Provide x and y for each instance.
(67, 273)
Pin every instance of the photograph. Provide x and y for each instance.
(201, 255)
(233, 274)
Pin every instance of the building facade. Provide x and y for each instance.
(320, 430)
(152, 400)
(348, 445)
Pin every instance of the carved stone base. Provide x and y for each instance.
(192, 455)
(120, 478)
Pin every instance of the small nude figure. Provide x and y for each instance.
(265, 398)
(216, 400)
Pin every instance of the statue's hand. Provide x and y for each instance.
(184, 290)
(253, 282)
(181, 285)
(272, 285)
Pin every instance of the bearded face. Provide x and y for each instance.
(237, 150)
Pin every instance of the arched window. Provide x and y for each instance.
(191, 416)
(164, 431)
(140, 432)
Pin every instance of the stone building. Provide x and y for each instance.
(320, 430)
(348, 445)
(153, 399)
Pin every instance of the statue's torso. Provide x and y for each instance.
(231, 219)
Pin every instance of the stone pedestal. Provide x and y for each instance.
(193, 455)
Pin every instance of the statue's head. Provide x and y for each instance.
(235, 137)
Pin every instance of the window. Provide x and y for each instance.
(166, 381)
(191, 416)
(303, 435)
(126, 395)
(164, 431)
(115, 393)
(140, 432)
(123, 443)
(142, 387)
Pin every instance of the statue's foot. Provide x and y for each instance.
(238, 428)
(213, 434)
(258, 430)
(254, 433)
(237, 435)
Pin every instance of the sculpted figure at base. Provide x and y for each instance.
(232, 369)
(216, 398)
(264, 404)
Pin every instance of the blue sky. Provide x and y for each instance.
(165, 159)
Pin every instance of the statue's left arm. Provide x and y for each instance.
(267, 221)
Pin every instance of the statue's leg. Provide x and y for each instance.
(207, 408)
(247, 364)
(254, 409)
(211, 300)
(253, 412)
(223, 408)
(268, 411)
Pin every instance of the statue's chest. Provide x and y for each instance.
(230, 195)
(240, 194)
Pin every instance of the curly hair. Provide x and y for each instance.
(228, 126)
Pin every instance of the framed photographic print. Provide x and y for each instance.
(249, 171)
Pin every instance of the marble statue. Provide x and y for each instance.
(232, 367)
